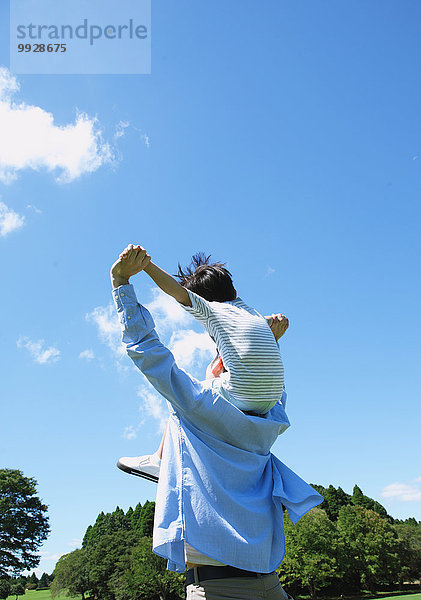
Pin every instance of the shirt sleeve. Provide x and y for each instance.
(150, 356)
(201, 309)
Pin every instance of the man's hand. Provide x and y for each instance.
(132, 260)
(278, 324)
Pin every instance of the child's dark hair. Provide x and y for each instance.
(211, 281)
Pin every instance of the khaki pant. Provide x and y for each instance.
(263, 587)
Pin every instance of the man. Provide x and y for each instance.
(220, 490)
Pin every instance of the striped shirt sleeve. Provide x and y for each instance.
(200, 308)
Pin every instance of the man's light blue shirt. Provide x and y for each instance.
(220, 488)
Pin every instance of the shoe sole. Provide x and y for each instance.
(131, 471)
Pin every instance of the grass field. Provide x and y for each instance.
(46, 595)
(41, 595)
(407, 596)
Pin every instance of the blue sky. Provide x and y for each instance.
(283, 138)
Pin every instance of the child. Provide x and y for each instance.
(249, 372)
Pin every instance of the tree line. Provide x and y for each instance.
(346, 545)
(17, 586)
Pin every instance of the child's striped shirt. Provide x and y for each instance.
(247, 347)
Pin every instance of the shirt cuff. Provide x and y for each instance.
(126, 304)
(124, 294)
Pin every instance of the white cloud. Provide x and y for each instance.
(31, 140)
(191, 349)
(34, 208)
(8, 84)
(9, 220)
(87, 354)
(38, 351)
(130, 432)
(269, 271)
(402, 492)
(75, 543)
(120, 129)
(152, 405)
(106, 320)
(417, 479)
(167, 312)
(145, 138)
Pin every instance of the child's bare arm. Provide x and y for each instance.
(168, 284)
(134, 259)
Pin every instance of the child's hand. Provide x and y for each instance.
(278, 324)
(132, 260)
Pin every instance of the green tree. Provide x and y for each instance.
(333, 501)
(4, 588)
(370, 548)
(106, 558)
(33, 578)
(409, 533)
(106, 524)
(44, 581)
(17, 589)
(71, 575)
(23, 522)
(145, 576)
(311, 548)
(145, 522)
(359, 499)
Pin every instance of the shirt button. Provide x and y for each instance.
(128, 317)
(122, 294)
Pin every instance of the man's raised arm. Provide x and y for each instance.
(142, 343)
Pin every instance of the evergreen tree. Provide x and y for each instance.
(334, 500)
(145, 523)
(33, 578)
(359, 499)
(136, 516)
(44, 581)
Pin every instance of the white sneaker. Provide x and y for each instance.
(147, 466)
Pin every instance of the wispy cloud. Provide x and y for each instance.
(192, 350)
(145, 138)
(34, 208)
(9, 220)
(31, 140)
(87, 354)
(402, 492)
(417, 479)
(38, 351)
(152, 405)
(108, 327)
(120, 129)
(269, 271)
(130, 432)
